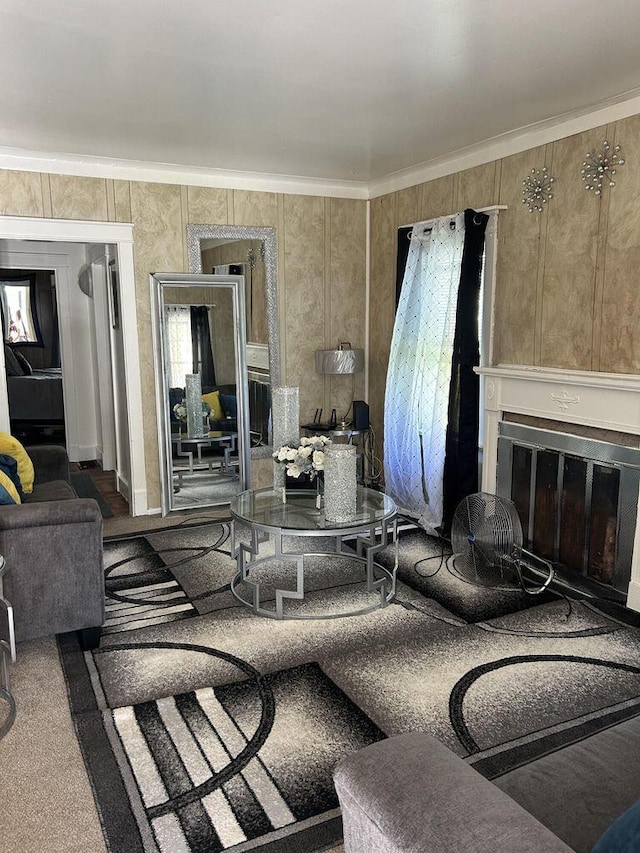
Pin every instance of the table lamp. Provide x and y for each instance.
(343, 360)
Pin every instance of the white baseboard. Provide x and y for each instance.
(633, 600)
(82, 452)
(123, 487)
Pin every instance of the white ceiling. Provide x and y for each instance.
(349, 90)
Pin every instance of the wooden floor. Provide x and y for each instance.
(105, 483)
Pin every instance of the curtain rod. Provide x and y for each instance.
(494, 208)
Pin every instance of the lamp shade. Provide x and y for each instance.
(339, 360)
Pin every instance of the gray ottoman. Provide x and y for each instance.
(410, 794)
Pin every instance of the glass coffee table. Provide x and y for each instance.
(190, 449)
(261, 519)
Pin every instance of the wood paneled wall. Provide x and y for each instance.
(566, 287)
(321, 264)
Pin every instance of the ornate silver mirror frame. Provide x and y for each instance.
(196, 233)
(237, 440)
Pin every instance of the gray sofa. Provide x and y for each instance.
(411, 794)
(53, 547)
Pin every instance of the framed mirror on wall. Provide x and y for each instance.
(199, 335)
(249, 251)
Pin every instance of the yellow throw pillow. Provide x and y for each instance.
(213, 399)
(8, 492)
(12, 447)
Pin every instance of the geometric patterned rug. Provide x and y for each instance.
(207, 728)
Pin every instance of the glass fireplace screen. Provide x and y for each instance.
(577, 499)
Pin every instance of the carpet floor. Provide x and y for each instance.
(205, 727)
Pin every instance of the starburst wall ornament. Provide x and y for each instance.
(537, 190)
(600, 167)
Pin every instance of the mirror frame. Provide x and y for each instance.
(196, 233)
(159, 281)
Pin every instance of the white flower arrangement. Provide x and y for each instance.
(306, 458)
(180, 411)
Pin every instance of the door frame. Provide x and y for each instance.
(120, 235)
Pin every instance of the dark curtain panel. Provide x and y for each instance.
(202, 352)
(401, 258)
(461, 461)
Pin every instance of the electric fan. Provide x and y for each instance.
(486, 539)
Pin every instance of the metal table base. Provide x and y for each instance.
(370, 540)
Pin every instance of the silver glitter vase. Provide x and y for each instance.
(193, 403)
(340, 483)
(285, 412)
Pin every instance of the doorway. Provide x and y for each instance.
(29, 318)
(65, 246)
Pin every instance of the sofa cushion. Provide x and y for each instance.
(11, 446)
(25, 365)
(229, 404)
(9, 466)
(54, 490)
(623, 836)
(11, 364)
(595, 772)
(8, 492)
(213, 399)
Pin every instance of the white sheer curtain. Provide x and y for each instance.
(179, 345)
(418, 379)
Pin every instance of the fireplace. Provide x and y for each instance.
(577, 499)
(576, 491)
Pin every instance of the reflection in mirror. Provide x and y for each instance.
(18, 309)
(250, 252)
(201, 388)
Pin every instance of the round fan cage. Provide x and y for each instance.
(486, 539)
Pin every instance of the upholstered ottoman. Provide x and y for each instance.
(410, 794)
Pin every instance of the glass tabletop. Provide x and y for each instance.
(265, 507)
(214, 435)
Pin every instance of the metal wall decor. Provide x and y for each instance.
(600, 167)
(537, 190)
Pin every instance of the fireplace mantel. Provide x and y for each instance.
(603, 400)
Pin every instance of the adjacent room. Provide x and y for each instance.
(319, 427)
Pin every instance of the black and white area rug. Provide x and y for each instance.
(207, 728)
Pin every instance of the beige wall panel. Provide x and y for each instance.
(157, 218)
(122, 197)
(382, 304)
(476, 187)
(437, 198)
(348, 292)
(409, 205)
(304, 295)
(207, 206)
(620, 334)
(251, 208)
(78, 198)
(517, 264)
(20, 193)
(570, 258)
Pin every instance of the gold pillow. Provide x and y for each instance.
(12, 447)
(213, 399)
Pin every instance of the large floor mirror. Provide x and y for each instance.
(249, 251)
(204, 435)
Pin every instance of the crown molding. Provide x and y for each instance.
(168, 173)
(512, 142)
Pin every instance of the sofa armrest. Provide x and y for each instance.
(55, 574)
(42, 514)
(50, 462)
(410, 794)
